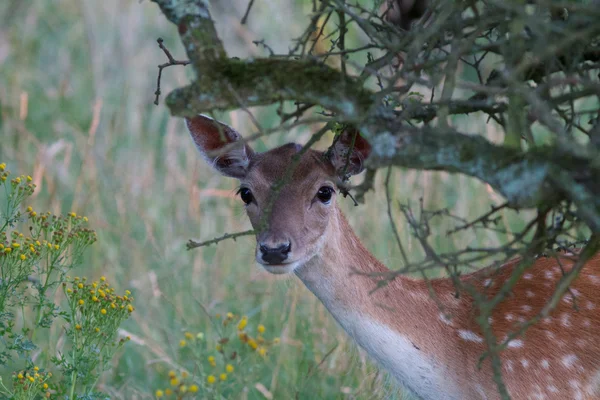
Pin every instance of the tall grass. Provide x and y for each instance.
(76, 89)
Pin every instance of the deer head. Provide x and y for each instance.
(292, 223)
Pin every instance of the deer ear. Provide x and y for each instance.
(348, 158)
(211, 138)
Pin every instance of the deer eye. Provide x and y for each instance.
(246, 195)
(324, 194)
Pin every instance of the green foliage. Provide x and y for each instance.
(32, 268)
(222, 363)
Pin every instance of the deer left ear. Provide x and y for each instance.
(349, 153)
(221, 145)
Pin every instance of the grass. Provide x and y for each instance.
(76, 90)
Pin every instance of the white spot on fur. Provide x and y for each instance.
(565, 320)
(509, 365)
(529, 294)
(589, 305)
(552, 389)
(487, 283)
(524, 363)
(569, 360)
(587, 323)
(527, 276)
(545, 364)
(526, 308)
(470, 336)
(594, 279)
(445, 319)
(509, 317)
(515, 344)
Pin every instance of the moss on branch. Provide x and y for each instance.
(234, 83)
(525, 179)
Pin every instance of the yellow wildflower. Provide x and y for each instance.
(193, 388)
(252, 343)
(78, 327)
(168, 392)
(261, 329)
(16, 245)
(159, 393)
(189, 336)
(182, 343)
(174, 381)
(183, 389)
(223, 377)
(262, 351)
(200, 336)
(23, 257)
(29, 209)
(130, 308)
(243, 323)
(211, 379)
(229, 368)
(45, 386)
(36, 368)
(172, 374)
(73, 214)
(103, 311)
(184, 374)
(2, 166)
(229, 315)
(276, 340)
(81, 302)
(20, 376)
(103, 278)
(31, 379)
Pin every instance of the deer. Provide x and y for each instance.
(433, 354)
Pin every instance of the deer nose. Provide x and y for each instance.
(275, 255)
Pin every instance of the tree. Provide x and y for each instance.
(532, 67)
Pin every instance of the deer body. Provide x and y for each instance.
(433, 353)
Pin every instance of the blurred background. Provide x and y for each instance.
(77, 82)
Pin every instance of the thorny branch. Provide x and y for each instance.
(171, 62)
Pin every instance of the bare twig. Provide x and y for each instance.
(247, 13)
(171, 62)
(193, 244)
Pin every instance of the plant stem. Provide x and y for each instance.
(73, 382)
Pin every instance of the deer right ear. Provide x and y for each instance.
(349, 152)
(211, 138)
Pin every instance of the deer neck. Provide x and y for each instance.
(344, 274)
(393, 323)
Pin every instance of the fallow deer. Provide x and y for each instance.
(434, 354)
